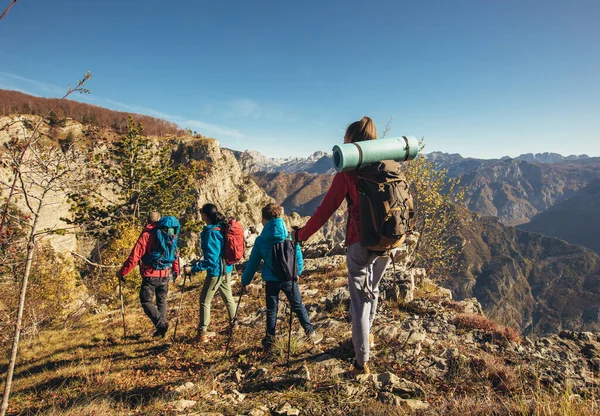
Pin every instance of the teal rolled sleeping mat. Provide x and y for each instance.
(352, 156)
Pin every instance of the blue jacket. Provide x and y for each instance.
(213, 246)
(274, 232)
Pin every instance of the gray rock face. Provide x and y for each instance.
(182, 405)
(338, 297)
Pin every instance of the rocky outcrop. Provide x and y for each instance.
(224, 184)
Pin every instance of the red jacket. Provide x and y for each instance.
(344, 186)
(145, 242)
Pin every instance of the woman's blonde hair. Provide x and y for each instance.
(362, 130)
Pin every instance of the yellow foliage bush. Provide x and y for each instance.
(103, 281)
(437, 199)
(50, 292)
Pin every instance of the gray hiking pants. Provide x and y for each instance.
(365, 271)
(222, 284)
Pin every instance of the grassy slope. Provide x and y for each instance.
(90, 370)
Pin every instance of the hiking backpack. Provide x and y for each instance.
(164, 250)
(284, 261)
(233, 235)
(386, 206)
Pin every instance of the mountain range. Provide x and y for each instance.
(321, 162)
(512, 189)
(525, 279)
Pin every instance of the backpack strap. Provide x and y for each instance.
(407, 148)
(360, 155)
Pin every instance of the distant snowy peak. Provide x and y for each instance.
(253, 161)
(441, 157)
(549, 157)
(320, 162)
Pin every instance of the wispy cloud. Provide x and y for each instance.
(19, 83)
(245, 108)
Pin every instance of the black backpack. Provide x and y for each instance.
(386, 206)
(284, 261)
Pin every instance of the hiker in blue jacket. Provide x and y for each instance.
(275, 232)
(218, 274)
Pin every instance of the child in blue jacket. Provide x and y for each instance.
(218, 274)
(275, 232)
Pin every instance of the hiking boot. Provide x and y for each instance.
(314, 337)
(203, 337)
(234, 325)
(357, 370)
(267, 341)
(161, 330)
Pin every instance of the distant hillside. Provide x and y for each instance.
(14, 102)
(296, 192)
(538, 283)
(576, 220)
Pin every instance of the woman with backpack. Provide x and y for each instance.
(365, 268)
(218, 274)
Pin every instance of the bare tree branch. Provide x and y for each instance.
(89, 261)
(8, 9)
(35, 137)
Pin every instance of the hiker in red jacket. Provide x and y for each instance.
(365, 268)
(154, 282)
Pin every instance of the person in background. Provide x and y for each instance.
(155, 283)
(275, 232)
(218, 274)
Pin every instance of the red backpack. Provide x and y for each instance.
(233, 233)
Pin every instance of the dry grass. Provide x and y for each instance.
(536, 404)
(473, 321)
(90, 370)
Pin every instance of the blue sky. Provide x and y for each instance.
(483, 78)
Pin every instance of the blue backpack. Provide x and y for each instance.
(164, 251)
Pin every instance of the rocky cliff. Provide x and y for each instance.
(223, 184)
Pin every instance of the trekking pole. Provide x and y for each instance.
(233, 321)
(291, 308)
(122, 307)
(180, 303)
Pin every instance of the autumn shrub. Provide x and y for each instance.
(52, 288)
(437, 201)
(501, 376)
(102, 281)
(472, 321)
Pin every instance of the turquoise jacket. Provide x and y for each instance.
(212, 244)
(274, 232)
